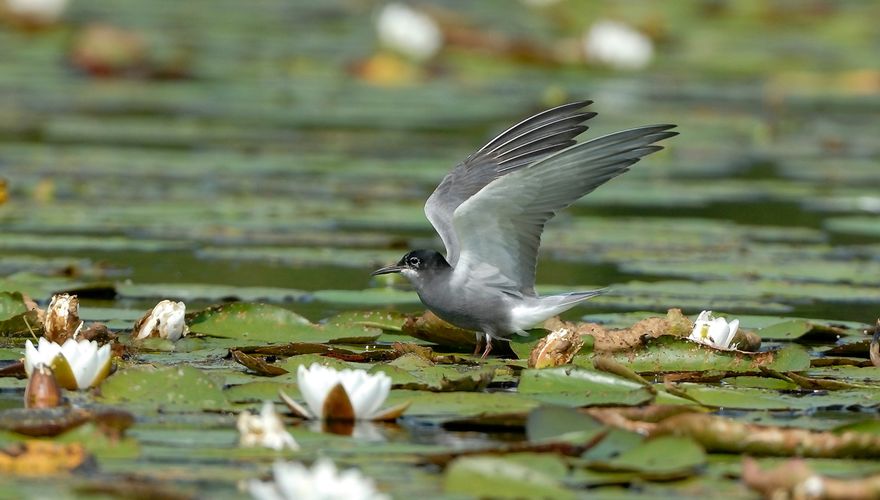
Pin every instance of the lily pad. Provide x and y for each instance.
(264, 323)
(670, 354)
(579, 387)
(501, 478)
(173, 388)
(664, 457)
(556, 422)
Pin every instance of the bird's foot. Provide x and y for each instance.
(488, 348)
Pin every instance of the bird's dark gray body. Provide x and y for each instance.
(490, 212)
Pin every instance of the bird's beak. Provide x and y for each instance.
(396, 268)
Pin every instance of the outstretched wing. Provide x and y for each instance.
(526, 142)
(499, 228)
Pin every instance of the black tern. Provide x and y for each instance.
(490, 211)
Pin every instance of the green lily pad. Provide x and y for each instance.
(502, 478)
(799, 328)
(670, 354)
(663, 457)
(264, 323)
(11, 304)
(172, 388)
(461, 404)
(580, 387)
(560, 423)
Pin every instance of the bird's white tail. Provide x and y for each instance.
(537, 310)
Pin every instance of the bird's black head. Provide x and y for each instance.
(416, 261)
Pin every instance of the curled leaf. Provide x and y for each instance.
(557, 348)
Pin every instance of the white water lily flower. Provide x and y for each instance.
(408, 31)
(265, 429)
(323, 481)
(618, 45)
(365, 391)
(165, 320)
(77, 364)
(712, 331)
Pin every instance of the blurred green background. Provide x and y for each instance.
(207, 150)
(278, 151)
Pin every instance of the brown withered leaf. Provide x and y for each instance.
(97, 332)
(370, 356)
(256, 365)
(47, 422)
(795, 478)
(718, 434)
(424, 352)
(13, 369)
(292, 349)
(392, 413)
(559, 448)
(42, 458)
(132, 486)
(433, 329)
(675, 323)
(814, 383)
(297, 409)
(608, 364)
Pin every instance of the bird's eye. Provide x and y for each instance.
(414, 261)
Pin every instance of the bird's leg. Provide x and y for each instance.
(477, 347)
(488, 346)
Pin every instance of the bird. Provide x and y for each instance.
(490, 211)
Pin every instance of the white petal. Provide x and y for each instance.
(370, 393)
(733, 326)
(44, 353)
(31, 357)
(315, 383)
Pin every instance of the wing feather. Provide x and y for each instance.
(526, 142)
(502, 224)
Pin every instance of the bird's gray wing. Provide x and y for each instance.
(526, 142)
(501, 225)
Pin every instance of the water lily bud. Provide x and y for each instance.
(557, 348)
(42, 390)
(409, 32)
(165, 320)
(62, 318)
(617, 45)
